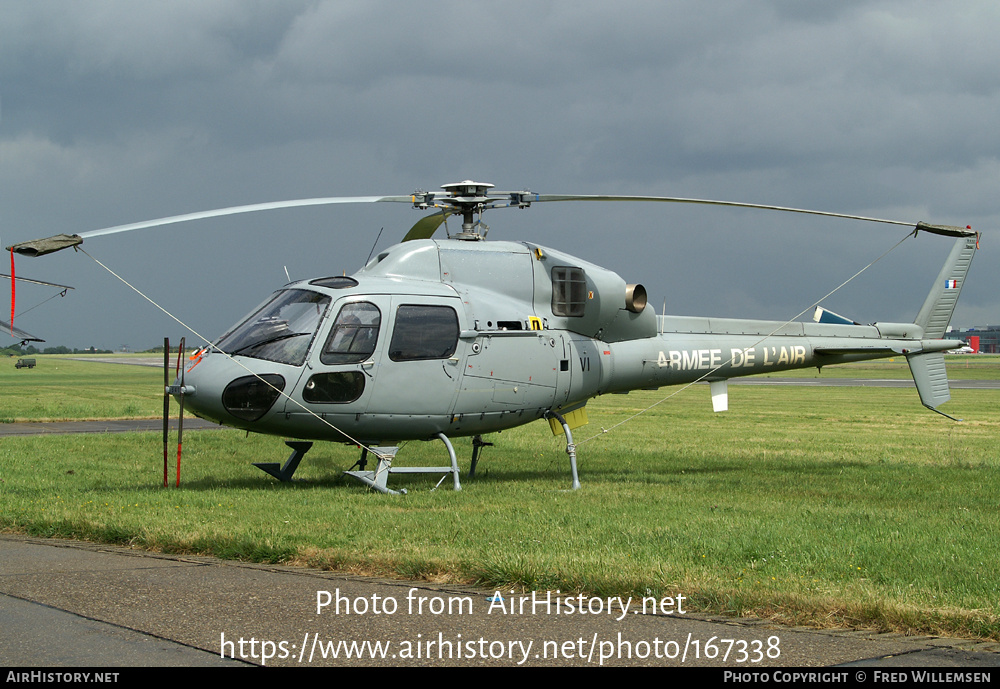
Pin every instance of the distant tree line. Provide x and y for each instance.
(31, 349)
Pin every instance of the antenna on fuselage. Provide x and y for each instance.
(373, 246)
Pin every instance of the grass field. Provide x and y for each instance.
(60, 389)
(820, 506)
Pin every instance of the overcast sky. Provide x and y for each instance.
(116, 112)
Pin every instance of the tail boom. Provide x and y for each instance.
(689, 349)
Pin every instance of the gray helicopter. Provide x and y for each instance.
(441, 338)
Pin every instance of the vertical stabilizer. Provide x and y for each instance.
(928, 368)
(935, 314)
(931, 378)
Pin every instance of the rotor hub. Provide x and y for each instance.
(468, 199)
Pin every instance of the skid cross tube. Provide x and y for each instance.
(379, 478)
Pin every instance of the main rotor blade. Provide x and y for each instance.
(707, 202)
(49, 245)
(36, 282)
(18, 333)
(252, 208)
(427, 226)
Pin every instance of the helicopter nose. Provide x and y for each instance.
(220, 390)
(197, 389)
(178, 389)
(248, 398)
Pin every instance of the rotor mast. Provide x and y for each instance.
(471, 198)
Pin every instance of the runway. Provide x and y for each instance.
(107, 426)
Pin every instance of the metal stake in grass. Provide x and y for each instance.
(180, 418)
(166, 403)
(167, 390)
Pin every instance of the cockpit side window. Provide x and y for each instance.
(569, 291)
(424, 332)
(354, 334)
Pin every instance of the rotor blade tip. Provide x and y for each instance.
(40, 247)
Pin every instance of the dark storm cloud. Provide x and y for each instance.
(113, 112)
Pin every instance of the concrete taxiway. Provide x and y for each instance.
(67, 603)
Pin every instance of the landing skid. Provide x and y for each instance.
(379, 478)
(284, 473)
(570, 446)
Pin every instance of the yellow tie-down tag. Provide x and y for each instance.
(535, 322)
(574, 420)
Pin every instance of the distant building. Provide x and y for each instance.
(988, 335)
